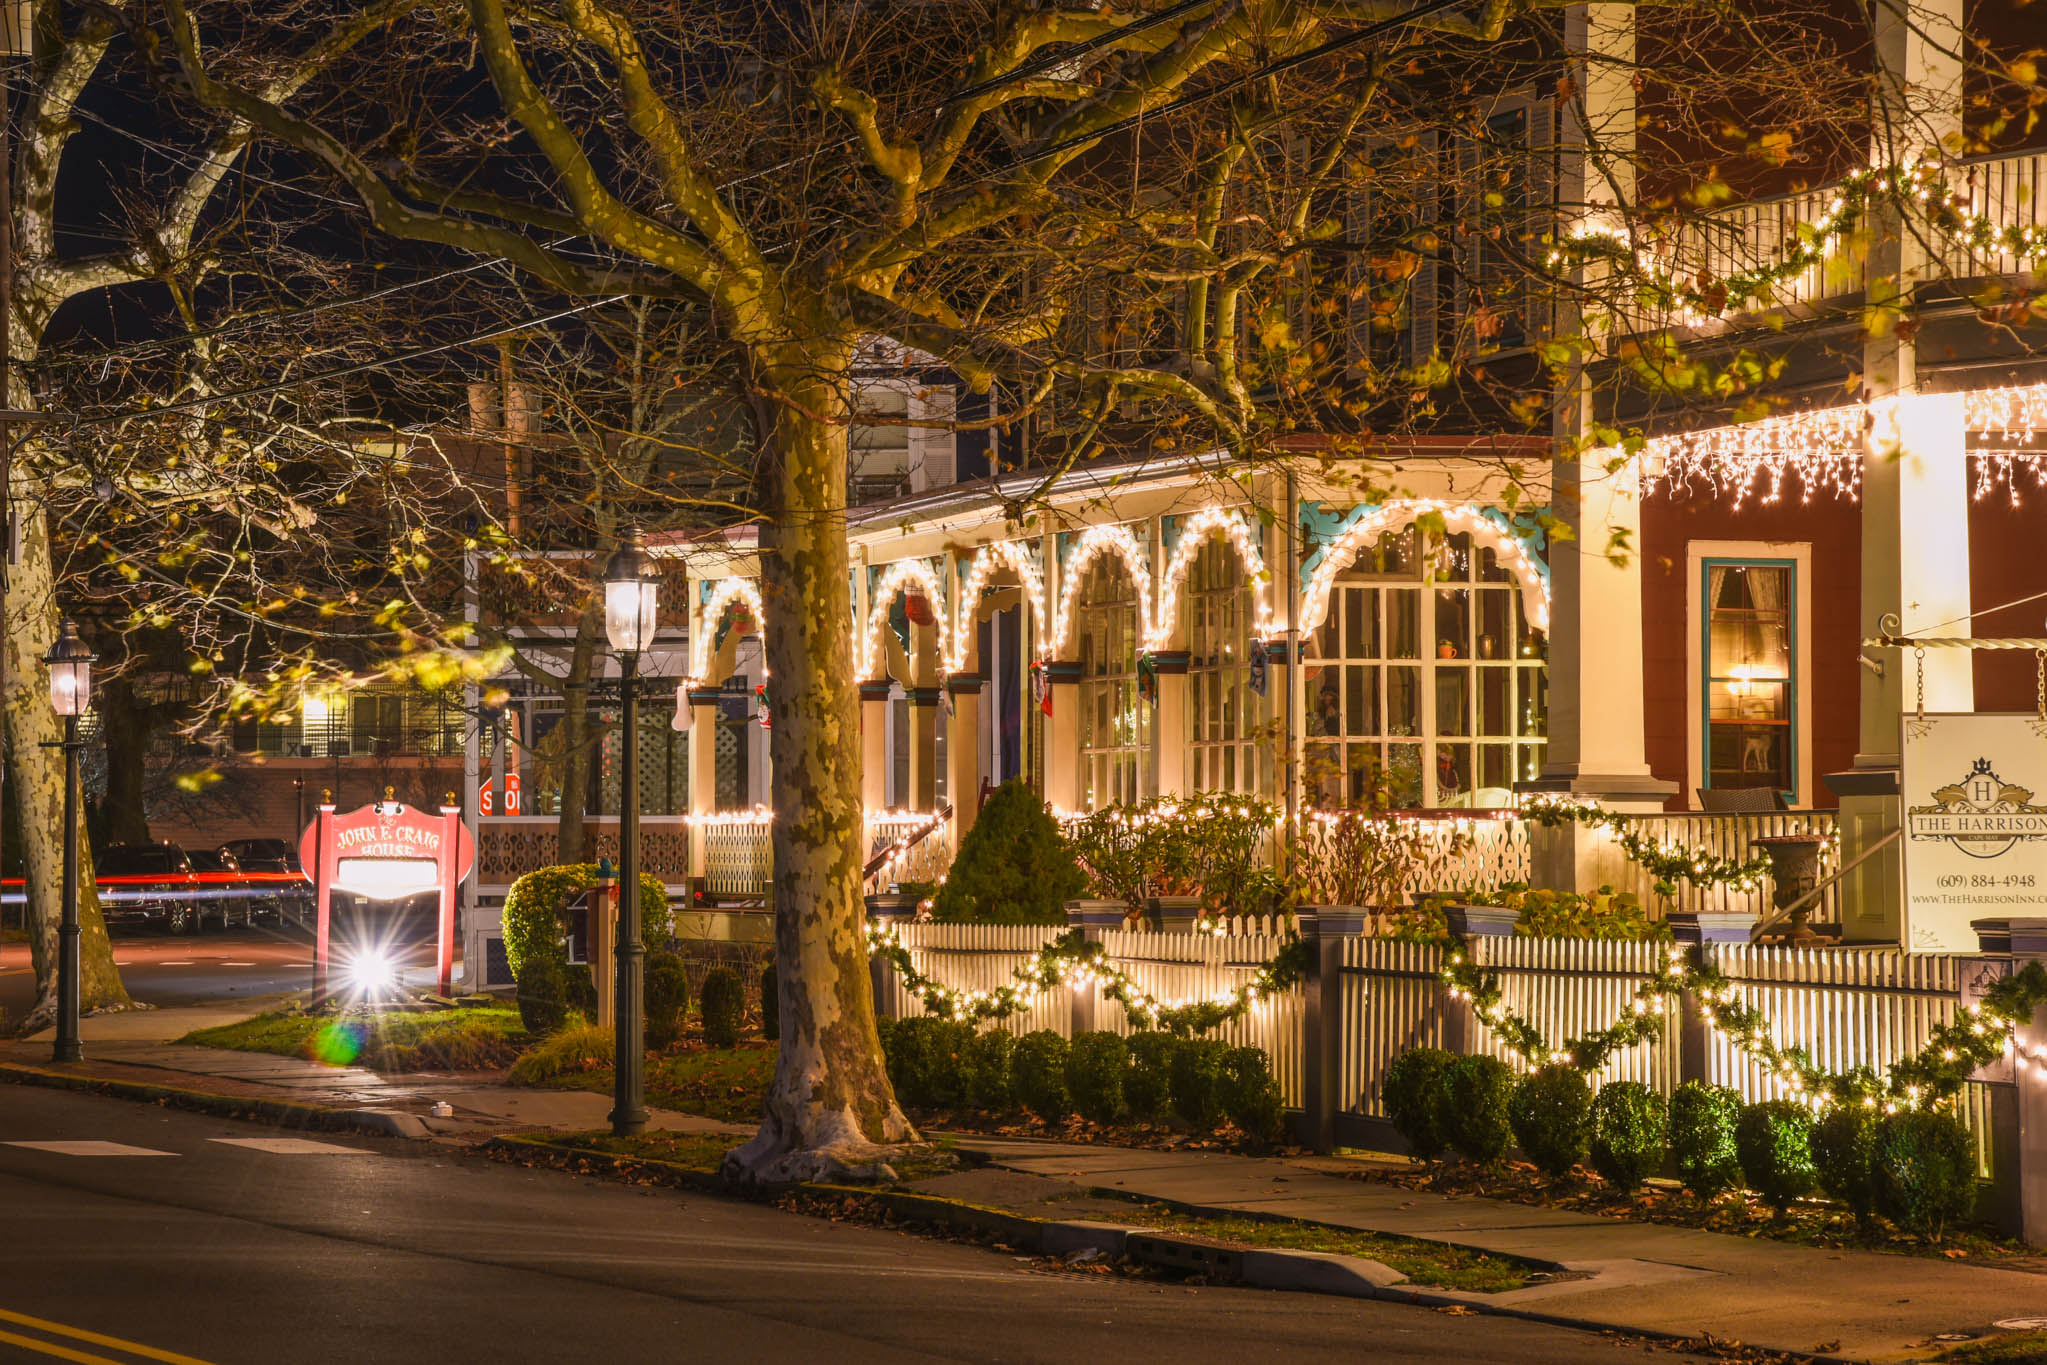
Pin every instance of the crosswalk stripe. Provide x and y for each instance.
(133, 1348)
(90, 1147)
(292, 1146)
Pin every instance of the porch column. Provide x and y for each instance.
(963, 752)
(1062, 735)
(1915, 495)
(1282, 682)
(1170, 735)
(703, 771)
(874, 743)
(923, 747)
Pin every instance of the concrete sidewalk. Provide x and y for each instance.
(140, 1047)
(1647, 1277)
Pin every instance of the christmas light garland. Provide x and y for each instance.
(1073, 962)
(1976, 1037)
(1667, 863)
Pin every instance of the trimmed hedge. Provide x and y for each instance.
(1843, 1142)
(1250, 1094)
(534, 924)
(1702, 1122)
(1549, 1112)
(990, 1083)
(1774, 1143)
(924, 1056)
(1412, 1091)
(667, 986)
(1095, 1064)
(1148, 1085)
(1924, 1168)
(1038, 1066)
(722, 1002)
(1476, 1094)
(1629, 1123)
(543, 995)
(1196, 1080)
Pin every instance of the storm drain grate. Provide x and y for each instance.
(1217, 1264)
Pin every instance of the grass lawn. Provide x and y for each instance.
(1427, 1263)
(2017, 1348)
(484, 1038)
(712, 1082)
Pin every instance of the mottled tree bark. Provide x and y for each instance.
(126, 725)
(35, 771)
(830, 1109)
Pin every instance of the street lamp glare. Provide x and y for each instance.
(70, 663)
(631, 593)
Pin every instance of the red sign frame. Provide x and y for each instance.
(379, 831)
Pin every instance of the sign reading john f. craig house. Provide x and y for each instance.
(1975, 797)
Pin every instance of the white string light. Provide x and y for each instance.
(728, 591)
(1203, 524)
(893, 580)
(1514, 555)
(988, 561)
(1094, 541)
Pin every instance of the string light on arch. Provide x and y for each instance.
(1094, 541)
(1514, 554)
(728, 592)
(1203, 524)
(987, 562)
(899, 575)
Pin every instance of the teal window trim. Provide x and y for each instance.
(1791, 627)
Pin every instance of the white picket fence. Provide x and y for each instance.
(1847, 1007)
(1727, 834)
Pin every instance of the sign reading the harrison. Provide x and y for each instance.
(1975, 836)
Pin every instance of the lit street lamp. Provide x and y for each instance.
(631, 594)
(70, 664)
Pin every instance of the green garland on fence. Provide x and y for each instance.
(1913, 182)
(1977, 1036)
(1071, 961)
(1667, 864)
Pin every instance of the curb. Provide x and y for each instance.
(284, 1113)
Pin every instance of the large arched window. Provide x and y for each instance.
(1111, 736)
(1223, 753)
(1426, 682)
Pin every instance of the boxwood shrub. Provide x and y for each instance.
(667, 986)
(1412, 1091)
(1702, 1122)
(1476, 1094)
(1843, 1142)
(1924, 1164)
(543, 995)
(1548, 1112)
(990, 1084)
(1196, 1080)
(1147, 1086)
(1774, 1144)
(925, 1061)
(1038, 1069)
(722, 1002)
(1629, 1128)
(1250, 1093)
(1095, 1063)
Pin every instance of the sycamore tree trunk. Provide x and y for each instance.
(829, 1111)
(35, 787)
(127, 725)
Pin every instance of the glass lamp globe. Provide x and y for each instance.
(631, 594)
(70, 665)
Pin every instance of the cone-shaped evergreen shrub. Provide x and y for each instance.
(667, 987)
(1476, 1093)
(1774, 1142)
(1012, 868)
(1702, 1122)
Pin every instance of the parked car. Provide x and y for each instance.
(274, 862)
(218, 871)
(151, 884)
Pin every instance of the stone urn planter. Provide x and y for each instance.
(1795, 871)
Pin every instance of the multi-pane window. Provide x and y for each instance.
(1751, 675)
(1426, 683)
(878, 454)
(1112, 741)
(1216, 607)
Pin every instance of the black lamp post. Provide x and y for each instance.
(631, 593)
(70, 664)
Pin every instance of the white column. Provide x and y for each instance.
(1171, 738)
(874, 743)
(703, 772)
(1062, 736)
(1915, 496)
(923, 748)
(963, 753)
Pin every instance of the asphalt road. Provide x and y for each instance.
(203, 1249)
(220, 965)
